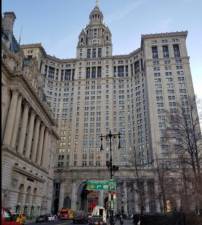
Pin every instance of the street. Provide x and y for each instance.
(69, 222)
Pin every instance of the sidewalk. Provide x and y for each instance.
(125, 222)
(30, 221)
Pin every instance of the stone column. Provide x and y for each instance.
(36, 139)
(74, 197)
(136, 208)
(156, 192)
(101, 197)
(30, 135)
(23, 129)
(61, 198)
(147, 197)
(17, 122)
(11, 118)
(5, 107)
(45, 152)
(125, 198)
(40, 146)
(43, 159)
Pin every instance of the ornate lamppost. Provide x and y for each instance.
(109, 163)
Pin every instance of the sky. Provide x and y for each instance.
(57, 24)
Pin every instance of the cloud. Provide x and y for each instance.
(119, 15)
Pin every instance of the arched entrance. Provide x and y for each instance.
(87, 200)
(67, 202)
(92, 200)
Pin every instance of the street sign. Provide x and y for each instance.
(97, 185)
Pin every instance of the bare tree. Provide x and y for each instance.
(167, 183)
(140, 187)
(184, 135)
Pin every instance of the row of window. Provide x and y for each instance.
(53, 74)
(93, 72)
(94, 53)
(165, 50)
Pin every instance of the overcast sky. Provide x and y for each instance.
(57, 23)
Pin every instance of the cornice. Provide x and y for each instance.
(8, 149)
(31, 176)
(162, 35)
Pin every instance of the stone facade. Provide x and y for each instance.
(97, 92)
(28, 132)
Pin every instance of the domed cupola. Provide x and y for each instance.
(95, 41)
(96, 16)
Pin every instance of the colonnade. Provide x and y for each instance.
(25, 131)
(130, 192)
(131, 195)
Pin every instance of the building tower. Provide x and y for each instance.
(97, 92)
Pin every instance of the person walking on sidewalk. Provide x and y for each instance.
(121, 219)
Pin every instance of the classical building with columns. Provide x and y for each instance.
(98, 92)
(28, 131)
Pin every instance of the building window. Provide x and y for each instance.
(137, 67)
(62, 75)
(176, 50)
(84, 163)
(93, 72)
(94, 53)
(154, 52)
(88, 53)
(99, 52)
(99, 71)
(51, 72)
(120, 71)
(67, 74)
(165, 51)
(87, 72)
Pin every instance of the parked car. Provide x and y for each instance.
(99, 212)
(66, 214)
(96, 220)
(42, 218)
(21, 218)
(7, 218)
(52, 217)
(80, 217)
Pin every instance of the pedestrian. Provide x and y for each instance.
(135, 219)
(139, 220)
(121, 219)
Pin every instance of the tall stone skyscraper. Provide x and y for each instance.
(97, 92)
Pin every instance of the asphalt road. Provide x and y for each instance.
(58, 222)
(69, 222)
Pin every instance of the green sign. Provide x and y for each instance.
(107, 185)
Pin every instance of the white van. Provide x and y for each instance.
(101, 212)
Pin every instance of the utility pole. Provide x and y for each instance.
(109, 163)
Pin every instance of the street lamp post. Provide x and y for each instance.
(109, 163)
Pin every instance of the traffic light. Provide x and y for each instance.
(108, 164)
(115, 168)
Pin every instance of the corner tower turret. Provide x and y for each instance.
(95, 39)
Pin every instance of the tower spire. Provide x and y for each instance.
(97, 3)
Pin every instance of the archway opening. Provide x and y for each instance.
(67, 202)
(88, 199)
